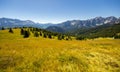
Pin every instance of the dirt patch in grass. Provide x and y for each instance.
(9, 61)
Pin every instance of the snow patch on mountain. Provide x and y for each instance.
(107, 21)
(73, 23)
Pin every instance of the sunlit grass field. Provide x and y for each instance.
(38, 54)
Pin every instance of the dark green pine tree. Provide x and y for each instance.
(59, 37)
(26, 34)
(40, 33)
(36, 34)
(3, 28)
(49, 36)
(45, 35)
(63, 36)
(10, 30)
(22, 32)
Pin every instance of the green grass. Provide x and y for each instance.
(18, 54)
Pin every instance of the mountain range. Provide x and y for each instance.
(8, 22)
(63, 27)
(69, 26)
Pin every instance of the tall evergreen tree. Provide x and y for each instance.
(63, 36)
(49, 36)
(36, 34)
(45, 35)
(59, 37)
(3, 28)
(26, 34)
(10, 30)
(40, 33)
(22, 32)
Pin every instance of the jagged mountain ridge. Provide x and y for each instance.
(8, 22)
(77, 24)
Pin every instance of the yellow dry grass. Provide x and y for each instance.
(18, 54)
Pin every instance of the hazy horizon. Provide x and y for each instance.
(57, 11)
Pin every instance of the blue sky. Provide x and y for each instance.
(56, 11)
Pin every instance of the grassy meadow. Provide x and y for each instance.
(38, 54)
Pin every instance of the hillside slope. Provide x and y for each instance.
(38, 54)
(100, 31)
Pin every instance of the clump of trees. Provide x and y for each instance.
(61, 37)
(117, 36)
(68, 37)
(80, 38)
(64, 37)
(36, 34)
(43, 33)
(25, 33)
(50, 36)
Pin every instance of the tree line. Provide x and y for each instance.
(43, 33)
(37, 32)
